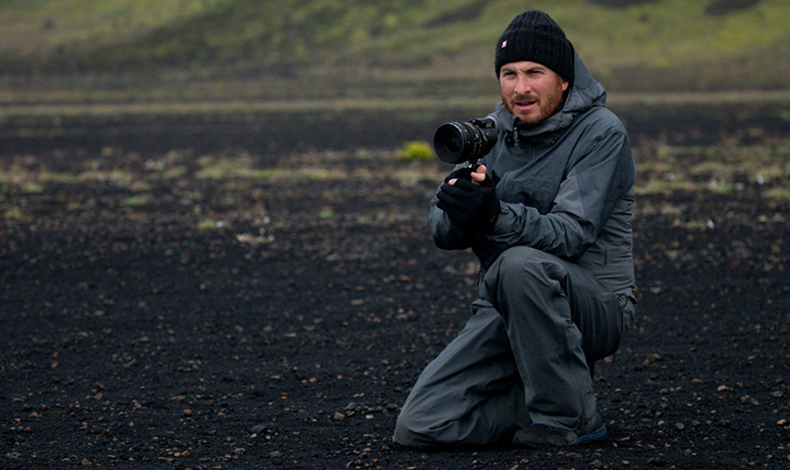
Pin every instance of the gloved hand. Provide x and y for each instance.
(470, 205)
(463, 173)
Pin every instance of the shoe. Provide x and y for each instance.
(542, 435)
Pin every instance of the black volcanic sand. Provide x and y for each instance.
(172, 306)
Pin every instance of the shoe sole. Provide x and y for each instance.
(539, 441)
(598, 435)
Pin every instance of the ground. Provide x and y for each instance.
(179, 306)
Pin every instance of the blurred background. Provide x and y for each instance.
(119, 51)
(276, 77)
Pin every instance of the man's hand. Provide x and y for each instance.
(470, 202)
(477, 176)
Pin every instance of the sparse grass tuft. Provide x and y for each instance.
(14, 213)
(208, 224)
(720, 169)
(136, 201)
(782, 194)
(416, 150)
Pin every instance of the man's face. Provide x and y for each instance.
(530, 91)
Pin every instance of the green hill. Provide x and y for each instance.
(362, 48)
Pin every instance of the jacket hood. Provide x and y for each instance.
(585, 93)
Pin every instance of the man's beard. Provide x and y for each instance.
(548, 107)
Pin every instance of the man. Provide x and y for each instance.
(548, 214)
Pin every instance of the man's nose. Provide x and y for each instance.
(523, 86)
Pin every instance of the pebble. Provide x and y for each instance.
(258, 428)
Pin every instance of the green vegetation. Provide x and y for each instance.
(218, 49)
(416, 151)
(136, 201)
(718, 169)
(208, 224)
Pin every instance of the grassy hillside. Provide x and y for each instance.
(402, 48)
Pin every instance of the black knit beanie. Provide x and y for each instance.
(535, 37)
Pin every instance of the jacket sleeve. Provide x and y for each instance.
(594, 183)
(447, 235)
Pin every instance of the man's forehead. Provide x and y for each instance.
(523, 65)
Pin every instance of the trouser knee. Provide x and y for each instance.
(410, 432)
(524, 262)
(522, 269)
(403, 434)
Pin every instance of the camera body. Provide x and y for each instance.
(457, 142)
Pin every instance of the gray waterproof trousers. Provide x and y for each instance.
(521, 358)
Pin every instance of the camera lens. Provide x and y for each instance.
(454, 144)
(457, 142)
(449, 142)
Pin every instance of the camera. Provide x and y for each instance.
(458, 142)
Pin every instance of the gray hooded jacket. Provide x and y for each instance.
(565, 187)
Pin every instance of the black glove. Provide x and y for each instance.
(463, 173)
(470, 205)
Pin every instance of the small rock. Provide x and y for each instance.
(258, 428)
(275, 454)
